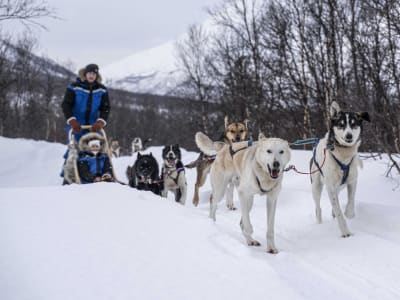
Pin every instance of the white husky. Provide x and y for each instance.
(257, 169)
(336, 158)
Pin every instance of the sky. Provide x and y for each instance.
(107, 31)
(109, 241)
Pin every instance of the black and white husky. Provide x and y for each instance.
(173, 173)
(335, 163)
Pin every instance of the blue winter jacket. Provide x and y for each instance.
(86, 102)
(91, 166)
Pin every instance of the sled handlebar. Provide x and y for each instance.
(87, 127)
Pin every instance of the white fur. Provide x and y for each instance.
(137, 145)
(246, 166)
(173, 180)
(209, 147)
(332, 174)
(70, 164)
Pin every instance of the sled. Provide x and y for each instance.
(71, 173)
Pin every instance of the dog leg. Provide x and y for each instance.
(200, 180)
(182, 188)
(271, 209)
(316, 193)
(217, 193)
(351, 191)
(333, 197)
(229, 196)
(246, 204)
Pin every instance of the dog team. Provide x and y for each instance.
(257, 168)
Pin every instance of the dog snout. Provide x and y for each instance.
(349, 136)
(237, 138)
(276, 164)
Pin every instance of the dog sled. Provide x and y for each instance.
(70, 168)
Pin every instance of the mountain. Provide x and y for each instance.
(151, 71)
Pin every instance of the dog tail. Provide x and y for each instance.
(206, 145)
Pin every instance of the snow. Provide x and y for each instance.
(109, 241)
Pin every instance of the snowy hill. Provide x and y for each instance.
(150, 71)
(109, 241)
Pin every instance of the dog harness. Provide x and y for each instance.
(169, 171)
(232, 152)
(315, 157)
(260, 187)
(345, 168)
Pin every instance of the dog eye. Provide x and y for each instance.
(281, 152)
(269, 151)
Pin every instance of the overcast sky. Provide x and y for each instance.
(106, 31)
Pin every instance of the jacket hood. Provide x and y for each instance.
(81, 74)
(83, 142)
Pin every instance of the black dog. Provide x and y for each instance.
(144, 174)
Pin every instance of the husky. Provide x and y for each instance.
(335, 163)
(144, 174)
(115, 149)
(234, 132)
(70, 167)
(173, 173)
(257, 169)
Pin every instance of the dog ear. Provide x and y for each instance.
(151, 154)
(176, 146)
(335, 109)
(139, 155)
(226, 122)
(364, 116)
(261, 136)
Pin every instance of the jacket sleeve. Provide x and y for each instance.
(105, 106)
(68, 103)
(84, 171)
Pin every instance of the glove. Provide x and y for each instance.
(96, 126)
(76, 127)
(106, 177)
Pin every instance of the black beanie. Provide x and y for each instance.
(92, 68)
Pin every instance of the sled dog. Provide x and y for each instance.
(115, 149)
(144, 174)
(336, 159)
(234, 132)
(173, 173)
(70, 170)
(137, 145)
(258, 169)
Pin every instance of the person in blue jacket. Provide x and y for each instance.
(86, 102)
(93, 163)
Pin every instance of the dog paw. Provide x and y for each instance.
(346, 235)
(253, 243)
(272, 250)
(349, 214)
(231, 208)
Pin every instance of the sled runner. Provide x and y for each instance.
(83, 164)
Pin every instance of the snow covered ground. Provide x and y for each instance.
(109, 241)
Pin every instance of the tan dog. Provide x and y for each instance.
(257, 169)
(234, 132)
